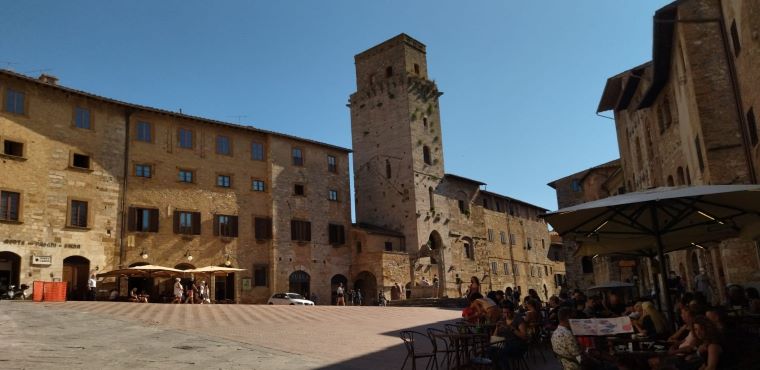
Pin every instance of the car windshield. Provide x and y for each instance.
(295, 296)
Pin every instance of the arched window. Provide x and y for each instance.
(587, 264)
(424, 122)
(387, 168)
(432, 200)
(426, 155)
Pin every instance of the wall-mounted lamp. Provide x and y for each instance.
(144, 254)
(189, 255)
(227, 260)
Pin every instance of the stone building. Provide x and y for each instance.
(452, 229)
(686, 118)
(91, 184)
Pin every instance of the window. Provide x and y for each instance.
(186, 176)
(80, 161)
(498, 206)
(388, 246)
(587, 265)
(664, 116)
(224, 181)
(185, 138)
(143, 170)
(512, 239)
(223, 145)
(257, 151)
(546, 270)
(262, 228)
(337, 234)
(468, 251)
(358, 247)
(260, 275)
(432, 198)
(297, 157)
(529, 244)
(144, 132)
(82, 118)
(188, 223)
(517, 269)
(78, 213)
(490, 235)
(494, 268)
(543, 244)
(735, 38)
(332, 195)
(387, 169)
(142, 219)
(13, 148)
(14, 101)
(389, 71)
(532, 271)
(752, 126)
(332, 165)
(485, 203)
(258, 185)
(424, 122)
(9, 205)
(503, 237)
(575, 185)
(300, 230)
(426, 155)
(416, 68)
(506, 268)
(298, 189)
(226, 226)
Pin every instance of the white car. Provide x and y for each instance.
(289, 298)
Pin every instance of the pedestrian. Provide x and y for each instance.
(91, 284)
(206, 296)
(177, 291)
(340, 292)
(202, 291)
(191, 288)
(358, 297)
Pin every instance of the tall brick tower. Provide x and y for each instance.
(396, 130)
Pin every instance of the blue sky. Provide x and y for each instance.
(521, 79)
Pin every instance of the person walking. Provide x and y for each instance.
(177, 291)
(91, 285)
(358, 297)
(340, 292)
(191, 288)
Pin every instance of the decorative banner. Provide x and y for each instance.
(610, 326)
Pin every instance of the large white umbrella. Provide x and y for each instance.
(216, 270)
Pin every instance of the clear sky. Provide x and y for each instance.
(521, 79)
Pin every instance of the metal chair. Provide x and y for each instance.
(442, 345)
(411, 338)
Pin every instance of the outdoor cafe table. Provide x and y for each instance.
(462, 342)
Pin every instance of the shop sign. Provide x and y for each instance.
(40, 244)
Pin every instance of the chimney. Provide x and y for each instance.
(50, 79)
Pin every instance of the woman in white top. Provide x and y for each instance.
(341, 295)
(177, 291)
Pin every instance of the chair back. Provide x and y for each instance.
(436, 339)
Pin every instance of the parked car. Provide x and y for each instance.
(289, 298)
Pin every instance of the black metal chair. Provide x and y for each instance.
(411, 339)
(442, 345)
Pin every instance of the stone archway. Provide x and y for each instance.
(436, 258)
(367, 283)
(300, 282)
(10, 270)
(334, 282)
(76, 271)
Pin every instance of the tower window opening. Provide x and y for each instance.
(426, 155)
(416, 68)
(389, 72)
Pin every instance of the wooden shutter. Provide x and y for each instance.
(153, 224)
(307, 227)
(341, 235)
(331, 234)
(293, 230)
(234, 226)
(196, 223)
(85, 214)
(131, 219)
(216, 225)
(176, 222)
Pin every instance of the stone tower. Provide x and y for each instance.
(396, 130)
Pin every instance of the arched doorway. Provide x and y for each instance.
(334, 282)
(10, 265)
(367, 283)
(76, 270)
(436, 258)
(300, 283)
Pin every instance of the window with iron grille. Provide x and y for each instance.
(9, 205)
(337, 234)
(78, 213)
(226, 226)
(300, 230)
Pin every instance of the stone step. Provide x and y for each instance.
(430, 302)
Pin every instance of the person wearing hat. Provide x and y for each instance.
(177, 291)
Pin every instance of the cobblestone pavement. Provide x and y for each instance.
(95, 335)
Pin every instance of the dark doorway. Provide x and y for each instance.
(76, 270)
(225, 288)
(300, 282)
(367, 283)
(334, 282)
(10, 264)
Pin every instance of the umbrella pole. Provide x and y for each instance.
(663, 270)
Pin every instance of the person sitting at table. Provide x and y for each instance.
(684, 340)
(485, 308)
(651, 323)
(515, 333)
(564, 344)
(142, 297)
(710, 349)
(133, 295)
(532, 312)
